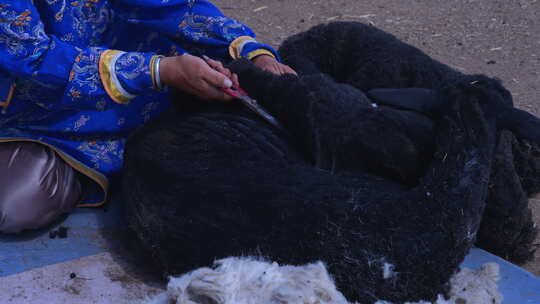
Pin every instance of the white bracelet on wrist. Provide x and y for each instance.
(156, 77)
(159, 85)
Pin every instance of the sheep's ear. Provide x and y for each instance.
(426, 101)
(523, 124)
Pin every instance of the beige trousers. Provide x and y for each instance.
(36, 186)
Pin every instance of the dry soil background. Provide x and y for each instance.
(495, 37)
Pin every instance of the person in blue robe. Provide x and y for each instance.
(77, 76)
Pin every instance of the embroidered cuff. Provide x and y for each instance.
(235, 48)
(134, 71)
(247, 47)
(107, 72)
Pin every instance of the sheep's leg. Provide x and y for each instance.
(424, 234)
(527, 163)
(507, 227)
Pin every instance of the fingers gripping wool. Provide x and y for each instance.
(249, 281)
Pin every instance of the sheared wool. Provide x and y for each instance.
(477, 286)
(253, 281)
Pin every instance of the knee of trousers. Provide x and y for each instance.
(36, 186)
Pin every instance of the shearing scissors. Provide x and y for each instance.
(250, 103)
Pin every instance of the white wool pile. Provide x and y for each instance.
(251, 281)
(476, 286)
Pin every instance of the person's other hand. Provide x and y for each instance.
(193, 75)
(270, 64)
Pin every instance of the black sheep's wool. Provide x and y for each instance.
(354, 184)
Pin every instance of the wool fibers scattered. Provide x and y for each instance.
(253, 281)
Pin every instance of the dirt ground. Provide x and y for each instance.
(495, 37)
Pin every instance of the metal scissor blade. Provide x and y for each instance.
(255, 107)
(252, 104)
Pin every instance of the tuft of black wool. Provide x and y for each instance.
(356, 186)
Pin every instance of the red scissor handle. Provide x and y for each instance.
(235, 92)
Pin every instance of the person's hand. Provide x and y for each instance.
(270, 64)
(218, 66)
(193, 75)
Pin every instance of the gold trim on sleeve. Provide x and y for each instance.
(107, 72)
(235, 48)
(260, 52)
(153, 71)
(5, 104)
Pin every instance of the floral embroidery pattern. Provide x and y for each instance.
(81, 122)
(103, 152)
(21, 35)
(134, 68)
(89, 19)
(85, 71)
(197, 27)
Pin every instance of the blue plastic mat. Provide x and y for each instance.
(517, 285)
(88, 234)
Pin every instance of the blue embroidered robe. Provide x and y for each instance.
(75, 76)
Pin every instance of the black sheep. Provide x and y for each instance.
(355, 185)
